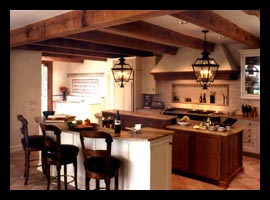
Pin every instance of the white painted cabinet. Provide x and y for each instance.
(146, 165)
(251, 135)
(80, 110)
(250, 74)
(149, 84)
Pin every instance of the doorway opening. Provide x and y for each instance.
(46, 83)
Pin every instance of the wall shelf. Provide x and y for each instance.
(190, 94)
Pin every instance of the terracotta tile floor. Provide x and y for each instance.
(248, 180)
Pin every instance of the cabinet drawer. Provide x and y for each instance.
(249, 146)
(247, 135)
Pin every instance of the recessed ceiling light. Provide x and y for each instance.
(221, 37)
(182, 22)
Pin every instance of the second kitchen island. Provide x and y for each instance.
(211, 155)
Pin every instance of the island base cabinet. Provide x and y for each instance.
(216, 157)
(145, 165)
(206, 155)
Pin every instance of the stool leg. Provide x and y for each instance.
(43, 164)
(87, 180)
(75, 174)
(26, 166)
(48, 176)
(97, 184)
(107, 182)
(65, 177)
(116, 183)
(58, 169)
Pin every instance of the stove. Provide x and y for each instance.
(199, 115)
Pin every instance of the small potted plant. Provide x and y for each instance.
(64, 91)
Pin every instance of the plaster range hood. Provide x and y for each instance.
(178, 67)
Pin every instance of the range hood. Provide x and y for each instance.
(178, 67)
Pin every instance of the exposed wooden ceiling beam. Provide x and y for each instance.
(218, 24)
(61, 59)
(69, 51)
(252, 12)
(90, 46)
(76, 22)
(153, 33)
(77, 57)
(122, 41)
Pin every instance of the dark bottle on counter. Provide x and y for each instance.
(201, 98)
(204, 98)
(117, 123)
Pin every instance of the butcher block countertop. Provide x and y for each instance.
(235, 129)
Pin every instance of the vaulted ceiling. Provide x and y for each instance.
(100, 34)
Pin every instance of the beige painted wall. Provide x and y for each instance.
(25, 92)
(25, 86)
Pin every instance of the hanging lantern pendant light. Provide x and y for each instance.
(122, 72)
(205, 68)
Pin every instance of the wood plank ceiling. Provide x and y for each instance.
(100, 34)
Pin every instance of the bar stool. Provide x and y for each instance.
(30, 143)
(58, 154)
(99, 164)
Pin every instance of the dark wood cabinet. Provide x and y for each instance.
(129, 119)
(211, 156)
(181, 151)
(206, 155)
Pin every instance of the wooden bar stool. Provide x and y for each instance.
(30, 143)
(58, 154)
(99, 164)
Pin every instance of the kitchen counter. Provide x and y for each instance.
(146, 133)
(146, 158)
(235, 129)
(142, 114)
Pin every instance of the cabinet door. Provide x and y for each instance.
(206, 155)
(181, 151)
(250, 74)
(161, 172)
(251, 136)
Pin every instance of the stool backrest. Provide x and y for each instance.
(24, 128)
(90, 152)
(52, 140)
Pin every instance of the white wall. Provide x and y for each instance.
(25, 92)
(183, 60)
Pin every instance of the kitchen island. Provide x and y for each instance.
(146, 157)
(209, 155)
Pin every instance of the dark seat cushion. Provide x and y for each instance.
(68, 153)
(34, 141)
(97, 164)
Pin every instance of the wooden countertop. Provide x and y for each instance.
(235, 129)
(141, 114)
(147, 133)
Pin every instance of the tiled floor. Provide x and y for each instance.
(247, 180)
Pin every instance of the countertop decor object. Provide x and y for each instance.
(47, 113)
(205, 68)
